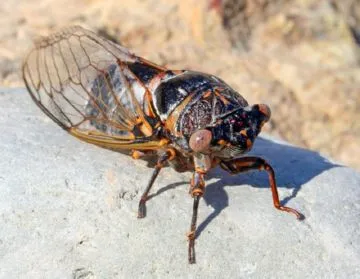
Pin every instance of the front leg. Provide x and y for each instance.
(202, 165)
(255, 163)
(197, 191)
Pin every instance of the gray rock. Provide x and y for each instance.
(68, 210)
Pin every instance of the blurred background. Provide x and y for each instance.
(301, 57)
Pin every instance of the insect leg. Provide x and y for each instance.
(168, 155)
(197, 191)
(255, 163)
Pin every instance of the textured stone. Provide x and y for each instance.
(68, 210)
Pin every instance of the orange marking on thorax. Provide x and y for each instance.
(222, 98)
(243, 132)
(174, 116)
(207, 94)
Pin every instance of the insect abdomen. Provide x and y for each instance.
(110, 87)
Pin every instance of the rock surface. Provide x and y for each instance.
(68, 210)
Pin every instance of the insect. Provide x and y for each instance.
(102, 94)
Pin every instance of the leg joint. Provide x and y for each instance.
(191, 235)
(171, 153)
(197, 192)
(197, 185)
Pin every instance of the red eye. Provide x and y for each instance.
(265, 110)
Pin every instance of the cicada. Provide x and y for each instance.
(101, 93)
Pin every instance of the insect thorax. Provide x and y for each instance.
(192, 101)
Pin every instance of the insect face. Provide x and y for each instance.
(237, 131)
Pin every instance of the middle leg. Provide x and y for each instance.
(168, 155)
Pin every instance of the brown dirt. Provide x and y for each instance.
(301, 57)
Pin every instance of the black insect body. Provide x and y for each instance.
(102, 94)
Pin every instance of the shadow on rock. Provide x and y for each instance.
(166, 188)
(293, 168)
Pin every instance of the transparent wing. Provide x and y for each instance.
(83, 82)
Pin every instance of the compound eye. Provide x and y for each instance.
(200, 140)
(265, 110)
